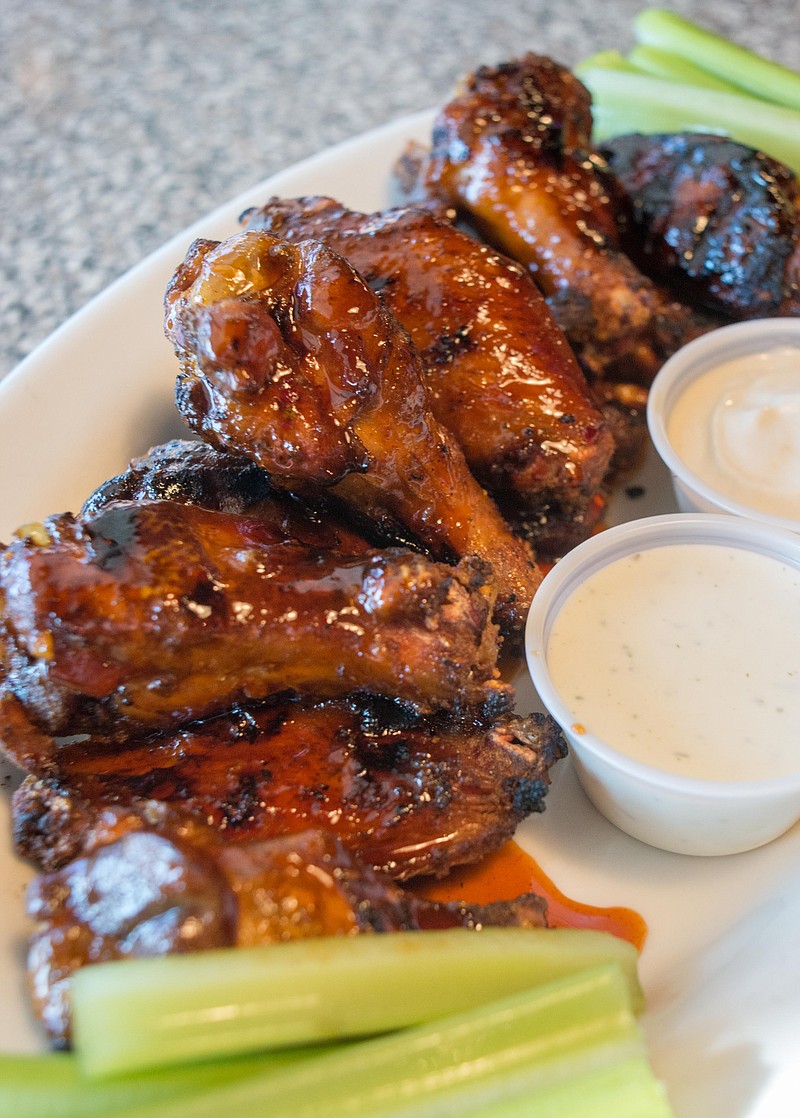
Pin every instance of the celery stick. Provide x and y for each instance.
(628, 102)
(624, 1089)
(658, 63)
(521, 1045)
(744, 68)
(611, 59)
(665, 64)
(52, 1086)
(152, 1012)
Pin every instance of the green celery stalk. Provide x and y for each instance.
(473, 1063)
(666, 64)
(153, 1012)
(52, 1085)
(611, 59)
(657, 63)
(629, 102)
(736, 64)
(623, 1089)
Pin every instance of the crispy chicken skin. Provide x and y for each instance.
(410, 794)
(512, 153)
(196, 473)
(289, 358)
(498, 370)
(155, 884)
(715, 219)
(152, 614)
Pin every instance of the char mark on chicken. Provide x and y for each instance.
(412, 795)
(715, 219)
(154, 884)
(288, 358)
(499, 372)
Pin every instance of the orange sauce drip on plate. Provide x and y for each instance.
(509, 872)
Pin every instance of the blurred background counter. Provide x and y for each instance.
(124, 122)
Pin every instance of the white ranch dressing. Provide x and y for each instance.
(686, 657)
(737, 427)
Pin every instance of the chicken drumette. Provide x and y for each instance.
(512, 152)
(499, 372)
(288, 357)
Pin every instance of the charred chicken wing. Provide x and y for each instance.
(289, 358)
(410, 794)
(152, 614)
(716, 220)
(499, 372)
(155, 884)
(512, 152)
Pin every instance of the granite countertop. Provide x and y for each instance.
(125, 122)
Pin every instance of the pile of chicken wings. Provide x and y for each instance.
(254, 685)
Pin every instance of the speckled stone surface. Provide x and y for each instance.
(125, 121)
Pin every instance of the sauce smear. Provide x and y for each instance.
(509, 872)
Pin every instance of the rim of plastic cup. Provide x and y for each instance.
(614, 543)
(693, 359)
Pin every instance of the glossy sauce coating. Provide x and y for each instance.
(153, 614)
(289, 358)
(499, 372)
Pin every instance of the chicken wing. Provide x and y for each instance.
(512, 152)
(288, 357)
(153, 614)
(196, 473)
(411, 795)
(715, 219)
(499, 373)
(159, 885)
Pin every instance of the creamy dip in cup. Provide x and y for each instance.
(668, 649)
(724, 415)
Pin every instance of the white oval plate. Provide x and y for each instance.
(720, 964)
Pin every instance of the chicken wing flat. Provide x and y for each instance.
(153, 614)
(499, 373)
(412, 795)
(195, 473)
(512, 153)
(159, 885)
(715, 219)
(289, 358)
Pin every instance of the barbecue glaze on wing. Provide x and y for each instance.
(411, 795)
(499, 373)
(512, 152)
(159, 885)
(289, 358)
(152, 614)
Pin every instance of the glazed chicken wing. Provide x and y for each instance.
(155, 884)
(715, 219)
(499, 373)
(512, 153)
(410, 794)
(289, 358)
(152, 614)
